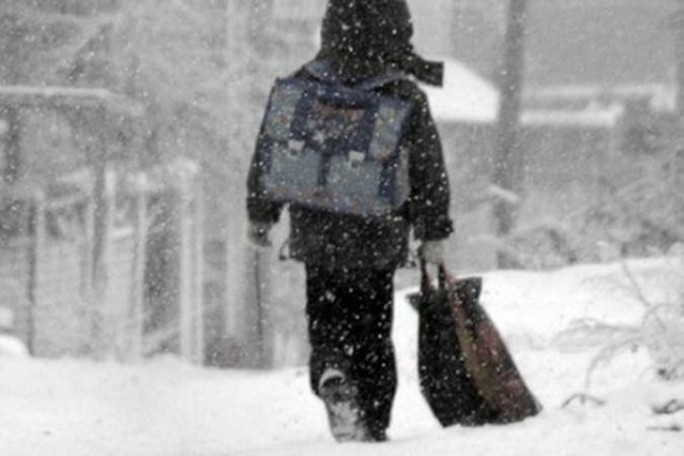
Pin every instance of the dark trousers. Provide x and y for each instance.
(350, 316)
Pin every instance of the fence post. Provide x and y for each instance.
(134, 315)
(198, 278)
(104, 196)
(37, 246)
(189, 290)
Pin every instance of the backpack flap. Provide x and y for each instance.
(334, 148)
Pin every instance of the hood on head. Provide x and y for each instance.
(365, 37)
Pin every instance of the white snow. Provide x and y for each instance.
(12, 347)
(466, 97)
(75, 407)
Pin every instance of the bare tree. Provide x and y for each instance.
(676, 22)
(508, 158)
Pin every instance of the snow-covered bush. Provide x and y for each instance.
(640, 211)
(636, 209)
(663, 333)
(660, 331)
(544, 245)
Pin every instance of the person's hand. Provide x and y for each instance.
(432, 252)
(257, 234)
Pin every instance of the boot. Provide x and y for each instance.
(341, 402)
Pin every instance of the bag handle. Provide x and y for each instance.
(442, 277)
(284, 250)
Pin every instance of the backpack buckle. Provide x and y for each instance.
(356, 159)
(295, 148)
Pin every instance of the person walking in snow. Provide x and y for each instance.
(350, 260)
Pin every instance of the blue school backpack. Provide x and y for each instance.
(335, 148)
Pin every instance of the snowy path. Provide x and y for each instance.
(166, 408)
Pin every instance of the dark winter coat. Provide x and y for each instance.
(363, 39)
(334, 240)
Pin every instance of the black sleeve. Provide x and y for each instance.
(430, 193)
(259, 208)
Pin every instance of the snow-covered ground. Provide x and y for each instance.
(165, 408)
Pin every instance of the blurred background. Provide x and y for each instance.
(127, 126)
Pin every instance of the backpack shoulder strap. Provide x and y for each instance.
(380, 80)
(322, 71)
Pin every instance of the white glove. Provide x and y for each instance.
(257, 234)
(432, 252)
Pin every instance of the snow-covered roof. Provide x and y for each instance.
(466, 96)
(660, 97)
(591, 117)
(469, 98)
